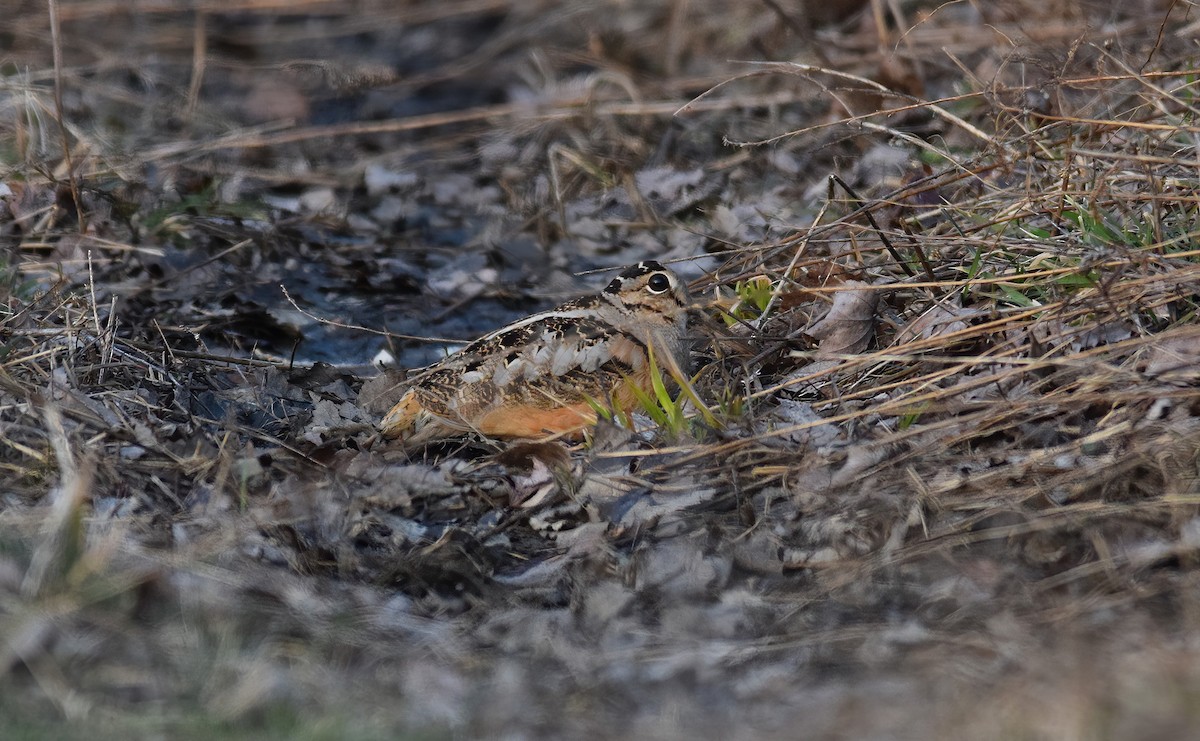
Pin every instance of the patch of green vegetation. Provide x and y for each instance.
(1074, 248)
(754, 295)
(932, 158)
(731, 404)
(172, 220)
(1095, 228)
(665, 410)
(944, 157)
(908, 419)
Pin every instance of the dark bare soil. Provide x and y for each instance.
(945, 484)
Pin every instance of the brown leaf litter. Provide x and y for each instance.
(948, 487)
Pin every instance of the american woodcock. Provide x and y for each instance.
(540, 376)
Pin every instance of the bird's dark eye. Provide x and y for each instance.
(658, 283)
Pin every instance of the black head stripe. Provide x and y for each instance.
(642, 268)
(614, 287)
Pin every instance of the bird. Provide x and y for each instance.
(542, 377)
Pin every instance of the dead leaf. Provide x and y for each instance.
(24, 203)
(850, 324)
(941, 319)
(1176, 359)
(536, 471)
(381, 393)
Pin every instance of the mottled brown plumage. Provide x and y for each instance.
(534, 378)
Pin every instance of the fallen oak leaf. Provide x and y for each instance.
(849, 325)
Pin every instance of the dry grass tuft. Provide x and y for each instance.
(948, 485)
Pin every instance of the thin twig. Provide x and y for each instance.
(56, 45)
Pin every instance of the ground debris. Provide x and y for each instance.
(945, 486)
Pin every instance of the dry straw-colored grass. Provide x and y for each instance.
(956, 449)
